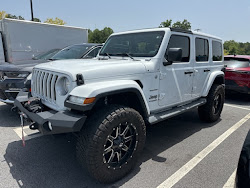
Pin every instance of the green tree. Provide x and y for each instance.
(231, 47)
(182, 25)
(167, 23)
(56, 21)
(99, 36)
(2, 15)
(247, 48)
(12, 16)
(36, 20)
(238, 48)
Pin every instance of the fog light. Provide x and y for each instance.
(50, 125)
(47, 126)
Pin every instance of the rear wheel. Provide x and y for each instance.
(211, 111)
(111, 143)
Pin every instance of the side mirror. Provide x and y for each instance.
(173, 54)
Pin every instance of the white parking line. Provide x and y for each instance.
(27, 137)
(179, 174)
(19, 131)
(231, 181)
(235, 106)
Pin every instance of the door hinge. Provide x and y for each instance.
(161, 96)
(162, 75)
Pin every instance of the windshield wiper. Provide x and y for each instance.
(126, 54)
(52, 59)
(105, 53)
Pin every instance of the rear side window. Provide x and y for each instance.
(183, 42)
(201, 49)
(217, 51)
(233, 63)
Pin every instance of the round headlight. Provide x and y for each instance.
(63, 86)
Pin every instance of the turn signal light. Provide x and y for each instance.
(89, 100)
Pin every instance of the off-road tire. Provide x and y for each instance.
(207, 112)
(95, 135)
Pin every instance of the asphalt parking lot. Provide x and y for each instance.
(179, 152)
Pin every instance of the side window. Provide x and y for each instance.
(183, 42)
(201, 49)
(217, 51)
(93, 53)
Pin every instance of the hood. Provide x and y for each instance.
(95, 68)
(25, 65)
(29, 63)
(7, 67)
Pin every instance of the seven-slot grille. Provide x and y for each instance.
(44, 84)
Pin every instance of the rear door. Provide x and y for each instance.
(2, 58)
(201, 65)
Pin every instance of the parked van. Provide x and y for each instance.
(22, 40)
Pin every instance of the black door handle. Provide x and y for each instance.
(206, 70)
(242, 72)
(190, 72)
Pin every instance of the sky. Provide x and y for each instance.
(228, 19)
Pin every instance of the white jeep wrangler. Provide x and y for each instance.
(140, 77)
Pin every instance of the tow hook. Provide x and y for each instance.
(33, 126)
(14, 109)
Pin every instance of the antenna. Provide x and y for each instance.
(198, 30)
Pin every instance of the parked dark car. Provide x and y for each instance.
(16, 66)
(13, 78)
(78, 51)
(237, 75)
(243, 170)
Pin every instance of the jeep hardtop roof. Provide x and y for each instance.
(167, 29)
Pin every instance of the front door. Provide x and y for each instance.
(176, 80)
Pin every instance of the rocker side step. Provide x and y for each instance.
(157, 117)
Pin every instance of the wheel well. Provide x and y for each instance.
(129, 99)
(139, 83)
(219, 80)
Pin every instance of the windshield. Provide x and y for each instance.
(236, 64)
(47, 55)
(72, 52)
(144, 44)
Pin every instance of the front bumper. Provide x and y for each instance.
(62, 122)
(9, 88)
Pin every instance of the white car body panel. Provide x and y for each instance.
(94, 68)
(97, 88)
(210, 82)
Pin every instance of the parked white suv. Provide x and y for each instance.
(140, 77)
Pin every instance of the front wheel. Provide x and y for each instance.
(211, 111)
(111, 143)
